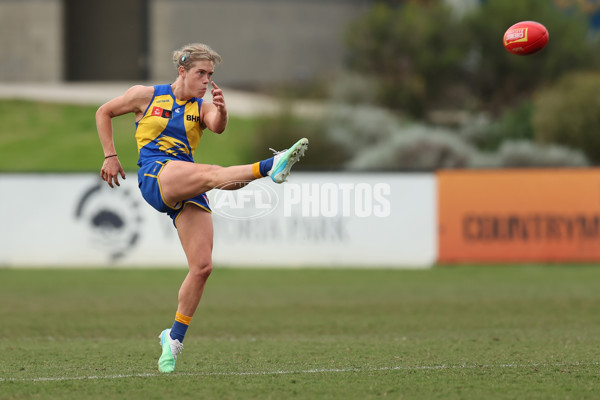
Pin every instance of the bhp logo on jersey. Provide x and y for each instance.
(194, 118)
(161, 112)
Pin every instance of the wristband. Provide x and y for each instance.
(112, 155)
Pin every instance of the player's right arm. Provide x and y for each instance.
(134, 100)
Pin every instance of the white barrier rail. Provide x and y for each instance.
(316, 219)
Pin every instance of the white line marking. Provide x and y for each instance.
(304, 371)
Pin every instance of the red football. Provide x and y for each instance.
(526, 37)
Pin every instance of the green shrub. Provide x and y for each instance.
(416, 147)
(363, 138)
(415, 51)
(522, 153)
(281, 131)
(568, 114)
(515, 124)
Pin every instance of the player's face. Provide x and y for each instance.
(198, 77)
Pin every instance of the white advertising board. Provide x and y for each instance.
(315, 219)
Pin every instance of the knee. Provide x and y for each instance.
(201, 271)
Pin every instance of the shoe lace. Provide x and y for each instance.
(176, 347)
(275, 152)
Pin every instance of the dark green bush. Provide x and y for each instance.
(568, 113)
(513, 124)
(415, 51)
(282, 130)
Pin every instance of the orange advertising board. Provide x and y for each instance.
(523, 215)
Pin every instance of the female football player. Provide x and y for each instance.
(170, 120)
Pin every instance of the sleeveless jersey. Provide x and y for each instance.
(170, 128)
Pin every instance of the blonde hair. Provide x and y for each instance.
(193, 52)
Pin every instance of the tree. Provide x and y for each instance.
(568, 113)
(415, 51)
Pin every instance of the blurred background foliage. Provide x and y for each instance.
(425, 88)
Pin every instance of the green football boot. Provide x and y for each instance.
(170, 349)
(285, 159)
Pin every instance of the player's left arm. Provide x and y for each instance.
(214, 115)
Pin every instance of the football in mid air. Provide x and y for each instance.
(526, 37)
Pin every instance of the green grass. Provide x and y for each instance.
(59, 137)
(527, 332)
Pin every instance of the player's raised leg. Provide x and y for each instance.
(181, 180)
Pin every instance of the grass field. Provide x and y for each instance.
(504, 332)
(53, 137)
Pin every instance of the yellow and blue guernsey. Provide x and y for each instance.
(169, 130)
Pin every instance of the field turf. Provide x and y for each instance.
(503, 332)
(49, 137)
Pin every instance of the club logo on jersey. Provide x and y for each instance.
(172, 146)
(161, 112)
